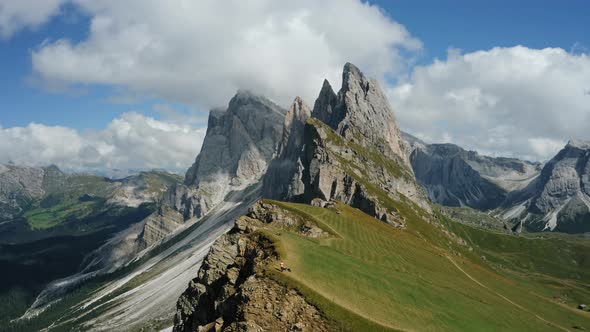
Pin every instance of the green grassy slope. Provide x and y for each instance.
(418, 279)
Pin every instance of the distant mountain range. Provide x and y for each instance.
(532, 196)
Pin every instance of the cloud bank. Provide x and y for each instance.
(512, 101)
(131, 141)
(201, 52)
(505, 101)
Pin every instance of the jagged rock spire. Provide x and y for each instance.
(295, 119)
(360, 112)
(325, 103)
(283, 178)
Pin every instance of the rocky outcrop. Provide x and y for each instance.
(360, 112)
(559, 199)
(455, 177)
(192, 201)
(350, 146)
(232, 292)
(239, 144)
(334, 170)
(160, 225)
(283, 178)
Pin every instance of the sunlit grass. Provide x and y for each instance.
(398, 280)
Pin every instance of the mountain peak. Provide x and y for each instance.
(324, 105)
(293, 125)
(245, 101)
(239, 142)
(53, 168)
(298, 101)
(326, 85)
(351, 73)
(580, 144)
(360, 111)
(244, 93)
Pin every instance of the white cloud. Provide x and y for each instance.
(545, 146)
(129, 141)
(201, 52)
(505, 101)
(19, 14)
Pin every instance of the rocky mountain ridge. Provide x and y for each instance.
(20, 186)
(531, 196)
(559, 198)
(350, 143)
(349, 148)
(232, 292)
(336, 156)
(225, 179)
(456, 177)
(240, 143)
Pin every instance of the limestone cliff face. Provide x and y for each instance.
(283, 178)
(232, 292)
(350, 144)
(360, 112)
(559, 199)
(240, 141)
(159, 225)
(352, 174)
(455, 177)
(191, 201)
(239, 144)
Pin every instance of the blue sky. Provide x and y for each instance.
(86, 100)
(25, 101)
(480, 25)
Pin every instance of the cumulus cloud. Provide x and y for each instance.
(19, 14)
(513, 101)
(201, 52)
(505, 101)
(131, 141)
